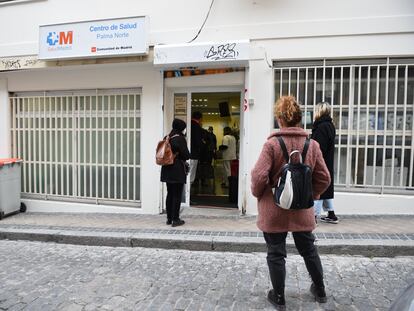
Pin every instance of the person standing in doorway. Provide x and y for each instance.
(229, 153)
(196, 144)
(276, 222)
(212, 141)
(175, 175)
(204, 167)
(323, 131)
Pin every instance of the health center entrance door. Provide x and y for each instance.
(215, 181)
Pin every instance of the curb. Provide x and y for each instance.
(379, 248)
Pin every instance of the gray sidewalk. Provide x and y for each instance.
(219, 230)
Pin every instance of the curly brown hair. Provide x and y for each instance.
(288, 110)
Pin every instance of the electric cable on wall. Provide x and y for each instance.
(202, 26)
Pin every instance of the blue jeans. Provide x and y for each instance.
(326, 204)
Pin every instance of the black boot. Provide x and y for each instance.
(278, 300)
(179, 222)
(318, 293)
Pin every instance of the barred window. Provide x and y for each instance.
(79, 145)
(372, 103)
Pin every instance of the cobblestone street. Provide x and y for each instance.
(48, 276)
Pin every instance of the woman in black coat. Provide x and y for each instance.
(175, 175)
(323, 132)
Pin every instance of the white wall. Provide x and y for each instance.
(295, 29)
(104, 76)
(366, 46)
(259, 118)
(178, 21)
(5, 143)
(347, 203)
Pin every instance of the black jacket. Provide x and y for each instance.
(196, 140)
(175, 173)
(323, 132)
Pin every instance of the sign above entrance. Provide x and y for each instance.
(100, 38)
(198, 54)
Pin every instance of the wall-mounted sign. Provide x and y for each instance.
(180, 105)
(202, 53)
(100, 38)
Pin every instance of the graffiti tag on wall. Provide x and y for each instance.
(14, 63)
(222, 52)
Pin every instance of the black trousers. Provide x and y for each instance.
(173, 202)
(276, 254)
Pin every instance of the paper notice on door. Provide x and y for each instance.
(180, 105)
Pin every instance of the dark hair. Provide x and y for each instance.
(196, 115)
(227, 130)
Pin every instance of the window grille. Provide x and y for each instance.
(81, 146)
(372, 104)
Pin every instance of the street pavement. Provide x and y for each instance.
(50, 276)
(210, 229)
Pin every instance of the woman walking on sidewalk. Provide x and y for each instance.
(276, 222)
(323, 131)
(175, 175)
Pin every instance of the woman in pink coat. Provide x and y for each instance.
(274, 221)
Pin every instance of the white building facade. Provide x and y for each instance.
(86, 126)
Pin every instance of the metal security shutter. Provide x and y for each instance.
(373, 103)
(80, 145)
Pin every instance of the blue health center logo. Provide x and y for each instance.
(52, 38)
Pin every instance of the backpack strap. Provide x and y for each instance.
(284, 150)
(305, 149)
(169, 138)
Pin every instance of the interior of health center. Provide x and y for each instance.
(212, 186)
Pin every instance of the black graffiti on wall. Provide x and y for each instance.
(11, 64)
(30, 62)
(17, 63)
(221, 52)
